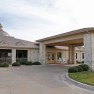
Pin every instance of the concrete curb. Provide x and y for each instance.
(79, 84)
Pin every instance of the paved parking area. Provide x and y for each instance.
(44, 79)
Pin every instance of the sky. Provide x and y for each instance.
(35, 19)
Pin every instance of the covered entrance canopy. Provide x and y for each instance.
(82, 37)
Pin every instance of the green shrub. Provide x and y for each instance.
(16, 64)
(73, 70)
(28, 63)
(23, 62)
(80, 69)
(37, 63)
(85, 67)
(4, 64)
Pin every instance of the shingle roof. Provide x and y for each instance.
(8, 41)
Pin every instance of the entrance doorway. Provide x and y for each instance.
(51, 58)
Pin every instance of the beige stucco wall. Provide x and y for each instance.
(79, 56)
(65, 56)
(34, 55)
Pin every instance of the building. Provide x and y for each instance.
(81, 37)
(17, 50)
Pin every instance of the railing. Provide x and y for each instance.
(8, 60)
(21, 59)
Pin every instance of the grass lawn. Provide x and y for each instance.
(86, 77)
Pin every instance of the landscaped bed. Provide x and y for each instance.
(86, 77)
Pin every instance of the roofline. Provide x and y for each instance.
(83, 30)
(19, 47)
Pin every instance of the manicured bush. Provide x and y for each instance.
(36, 63)
(23, 62)
(4, 64)
(80, 69)
(28, 63)
(73, 70)
(85, 67)
(16, 64)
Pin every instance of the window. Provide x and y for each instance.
(82, 55)
(5, 54)
(76, 55)
(59, 55)
(19, 55)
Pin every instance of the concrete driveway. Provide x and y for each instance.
(44, 79)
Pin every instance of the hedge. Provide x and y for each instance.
(85, 67)
(4, 64)
(78, 68)
(16, 64)
(36, 63)
(73, 70)
(28, 63)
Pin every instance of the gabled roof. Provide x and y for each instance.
(8, 41)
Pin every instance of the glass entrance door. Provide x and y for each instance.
(51, 57)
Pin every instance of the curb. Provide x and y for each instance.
(79, 84)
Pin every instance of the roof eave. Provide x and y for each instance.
(83, 30)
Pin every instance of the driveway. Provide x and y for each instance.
(44, 79)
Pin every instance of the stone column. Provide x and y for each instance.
(13, 55)
(89, 49)
(42, 53)
(29, 55)
(71, 54)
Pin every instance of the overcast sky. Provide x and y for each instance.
(36, 19)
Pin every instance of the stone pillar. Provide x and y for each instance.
(89, 49)
(71, 54)
(13, 55)
(42, 53)
(29, 55)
